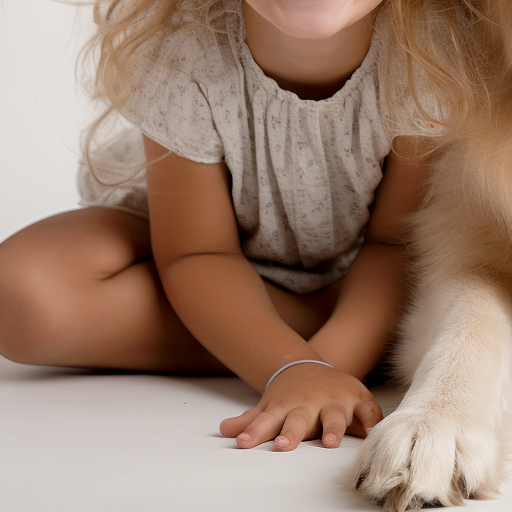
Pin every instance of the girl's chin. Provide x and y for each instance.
(317, 19)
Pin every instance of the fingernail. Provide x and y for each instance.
(282, 441)
(330, 439)
(368, 430)
(243, 439)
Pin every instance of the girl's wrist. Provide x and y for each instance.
(293, 363)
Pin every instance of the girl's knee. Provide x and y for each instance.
(29, 305)
(48, 271)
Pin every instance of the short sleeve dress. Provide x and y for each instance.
(303, 172)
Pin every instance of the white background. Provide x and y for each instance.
(41, 110)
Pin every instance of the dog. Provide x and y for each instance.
(449, 438)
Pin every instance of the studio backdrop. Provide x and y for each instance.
(42, 110)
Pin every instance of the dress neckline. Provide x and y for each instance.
(273, 88)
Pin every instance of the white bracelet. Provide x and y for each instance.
(293, 364)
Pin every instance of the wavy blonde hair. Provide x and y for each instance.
(463, 48)
(459, 46)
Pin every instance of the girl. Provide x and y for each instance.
(265, 125)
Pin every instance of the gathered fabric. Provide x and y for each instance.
(303, 172)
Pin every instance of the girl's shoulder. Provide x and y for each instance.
(199, 47)
(171, 100)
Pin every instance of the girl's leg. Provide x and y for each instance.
(81, 289)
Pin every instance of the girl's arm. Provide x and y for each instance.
(212, 287)
(223, 302)
(371, 300)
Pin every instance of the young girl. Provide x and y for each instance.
(265, 128)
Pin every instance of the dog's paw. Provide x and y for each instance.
(411, 460)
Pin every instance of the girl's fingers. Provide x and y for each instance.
(264, 428)
(334, 424)
(295, 428)
(296, 418)
(232, 427)
(367, 414)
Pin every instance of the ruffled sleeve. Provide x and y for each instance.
(169, 100)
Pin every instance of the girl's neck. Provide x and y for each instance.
(311, 68)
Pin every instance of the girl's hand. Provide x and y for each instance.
(304, 402)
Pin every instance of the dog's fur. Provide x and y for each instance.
(448, 439)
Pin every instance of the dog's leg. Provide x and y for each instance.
(447, 440)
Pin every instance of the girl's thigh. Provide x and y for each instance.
(81, 289)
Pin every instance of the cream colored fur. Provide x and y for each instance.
(448, 439)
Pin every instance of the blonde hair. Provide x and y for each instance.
(462, 48)
(458, 45)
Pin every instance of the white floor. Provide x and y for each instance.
(73, 441)
(83, 442)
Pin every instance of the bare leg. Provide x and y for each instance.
(81, 289)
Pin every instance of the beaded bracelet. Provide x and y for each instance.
(293, 364)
